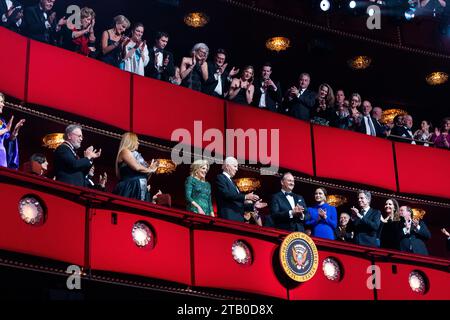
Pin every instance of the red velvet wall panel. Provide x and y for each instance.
(12, 63)
(160, 108)
(61, 237)
(71, 82)
(113, 248)
(351, 287)
(294, 142)
(354, 157)
(396, 286)
(422, 170)
(215, 267)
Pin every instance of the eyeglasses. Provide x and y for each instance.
(77, 135)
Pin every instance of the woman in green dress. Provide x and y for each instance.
(198, 190)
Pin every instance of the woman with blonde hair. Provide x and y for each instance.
(113, 40)
(198, 190)
(132, 170)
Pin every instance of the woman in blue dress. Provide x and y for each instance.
(132, 170)
(198, 190)
(323, 216)
(9, 150)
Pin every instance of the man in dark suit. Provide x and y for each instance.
(300, 101)
(40, 22)
(381, 129)
(11, 14)
(401, 131)
(219, 78)
(267, 92)
(414, 233)
(365, 222)
(69, 168)
(161, 65)
(287, 209)
(231, 203)
(367, 124)
(101, 185)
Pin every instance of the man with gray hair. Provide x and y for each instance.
(365, 222)
(69, 167)
(231, 203)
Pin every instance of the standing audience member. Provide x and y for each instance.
(231, 203)
(381, 129)
(40, 22)
(268, 93)
(135, 56)
(161, 65)
(242, 89)
(355, 116)
(339, 119)
(9, 148)
(367, 125)
(218, 76)
(323, 216)
(424, 133)
(441, 138)
(288, 210)
(113, 41)
(69, 167)
(197, 190)
(413, 233)
(322, 112)
(366, 222)
(389, 226)
(11, 14)
(82, 39)
(299, 102)
(102, 179)
(132, 170)
(194, 69)
(344, 231)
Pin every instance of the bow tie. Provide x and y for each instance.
(158, 50)
(289, 194)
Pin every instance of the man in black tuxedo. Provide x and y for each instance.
(11, 14)
(287, 209)
(365, 222)
(367, 124)
(219, 78)
(300, 101)
(231, 203)
(414, 233)
(101, 185)
(401, 131)
(161, 65)
(267, 92)
(69, 168)
(40, 22)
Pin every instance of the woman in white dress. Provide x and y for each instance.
(135, 52)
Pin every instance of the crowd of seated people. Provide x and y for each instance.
(130, 52)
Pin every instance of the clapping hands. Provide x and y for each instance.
(92, 153)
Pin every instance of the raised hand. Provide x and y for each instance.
(92, 25)
(445, 232)
(233, 72)
(52, 17)
(9, 124)
(62, 21)
(354, 211)
(259, 204)
(17, 127)
(153, 166)
(103, 179)
(222, 68)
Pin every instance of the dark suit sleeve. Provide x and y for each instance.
(276, 95)
(224, 193)
(278, 215)
(423, 233)
(68, 159)
(309, 100)
(372, 221)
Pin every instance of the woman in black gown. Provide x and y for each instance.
(194, 69)
(390, 222)
(132, 170)
(242, 89)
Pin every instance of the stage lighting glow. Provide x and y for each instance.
(352, 4)
(410, 13)
(325, 5)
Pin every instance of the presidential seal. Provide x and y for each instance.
(299, 257)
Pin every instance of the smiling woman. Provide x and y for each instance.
(198, 190)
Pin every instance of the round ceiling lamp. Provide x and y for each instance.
(53, 140)
(247, 184)
(436, 78)
(359, 62)
(389, 115)
(336, 200)
(196, 19)
(278, 44)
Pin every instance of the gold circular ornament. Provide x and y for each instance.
(299, 256)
